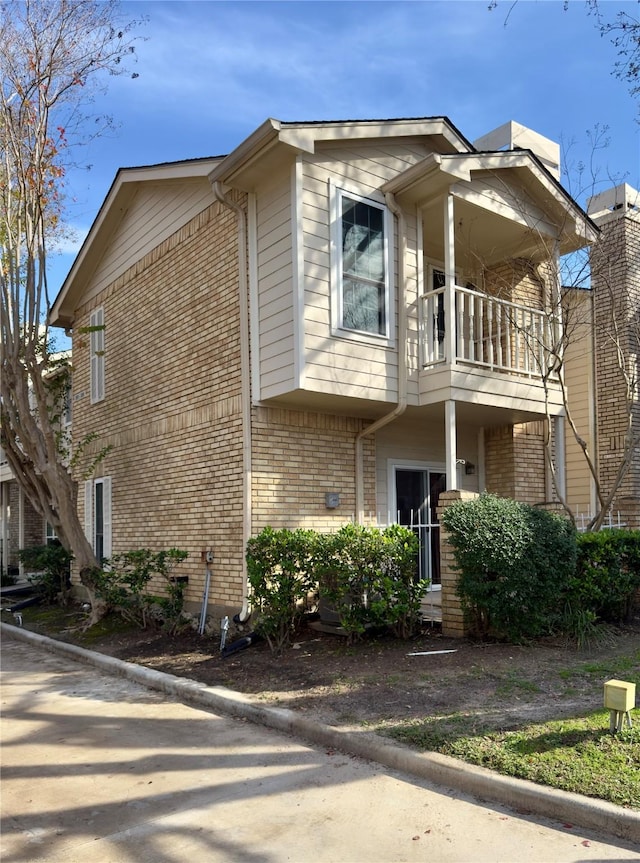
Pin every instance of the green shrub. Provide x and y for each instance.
(369, 576)
(515, 562)
(280, 575)
(607, 575)
(8, 577)
(50, 569)
(123, 581)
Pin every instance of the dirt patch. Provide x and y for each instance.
(380, 681)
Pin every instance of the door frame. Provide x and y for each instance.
(395, 464)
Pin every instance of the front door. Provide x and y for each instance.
(417, 493)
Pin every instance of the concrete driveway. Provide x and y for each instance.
(98, 768)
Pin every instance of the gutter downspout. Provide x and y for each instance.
(218, 190)
(402, 359)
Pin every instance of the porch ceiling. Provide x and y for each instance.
(482, 237)
(506, 205)
(473, 416)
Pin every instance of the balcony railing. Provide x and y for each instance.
(490, 333)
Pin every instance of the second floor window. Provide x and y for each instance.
(363, 265)
(96, 322)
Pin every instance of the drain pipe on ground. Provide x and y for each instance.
(219, 191)
(402, 359)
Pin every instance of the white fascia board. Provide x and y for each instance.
(246, 152)
(306, 135)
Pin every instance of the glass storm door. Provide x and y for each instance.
(417, 494)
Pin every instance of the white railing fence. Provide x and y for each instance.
(489, 332)
(613, 521)
(428, 533)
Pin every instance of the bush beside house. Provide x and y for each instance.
(515, 563)
(526, 572)
(367, 575)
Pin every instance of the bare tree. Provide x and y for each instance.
(586, 294)
(622, 28)
(53, 55)
(594, 302)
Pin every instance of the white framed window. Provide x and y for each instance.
(361, 284)
(97, 515)
(97, 353)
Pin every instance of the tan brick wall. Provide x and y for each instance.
(298, 457)
(173, 415)
(515, 462)
(172, 411)
(616, 283)
(453, 623)
(516, 281)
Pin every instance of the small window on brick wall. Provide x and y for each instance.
(97, 351)
(97, 515)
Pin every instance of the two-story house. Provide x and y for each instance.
(337, 321)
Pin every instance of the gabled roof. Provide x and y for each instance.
(432, 176)
(110, 214)
(249, 162)
(245, 165)
(455, 159)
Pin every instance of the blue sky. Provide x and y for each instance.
(210, 72)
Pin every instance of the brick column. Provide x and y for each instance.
(452, 615)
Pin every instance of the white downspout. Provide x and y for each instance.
(402, 358)
(245, 372)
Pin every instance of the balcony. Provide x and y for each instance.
(497, 353)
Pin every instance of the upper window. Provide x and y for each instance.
(362, 241)
(96, 324)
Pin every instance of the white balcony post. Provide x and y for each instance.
(560, 456)
(557, 327)
(450, 281)
(451, 460)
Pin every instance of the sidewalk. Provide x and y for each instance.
(589, 813)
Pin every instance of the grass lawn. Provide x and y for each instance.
(573, 754)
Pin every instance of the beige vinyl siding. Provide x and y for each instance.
(339, 364)
(156, 212)
(421, 442)
(579, 381)
(275, 302)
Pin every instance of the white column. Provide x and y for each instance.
(482, 474)
(561, 473)
(450, 281)
(450, 444)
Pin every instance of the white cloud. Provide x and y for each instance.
(68, 240)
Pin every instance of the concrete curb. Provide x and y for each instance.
(518, 794)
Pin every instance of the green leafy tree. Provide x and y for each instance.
(53, 55)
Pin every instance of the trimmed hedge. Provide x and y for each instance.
(607, 577)
(369, 575)
(515, 563)
(280, 571)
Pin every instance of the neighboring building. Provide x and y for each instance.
(335, 322)
(20, 525)
(605, 405)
